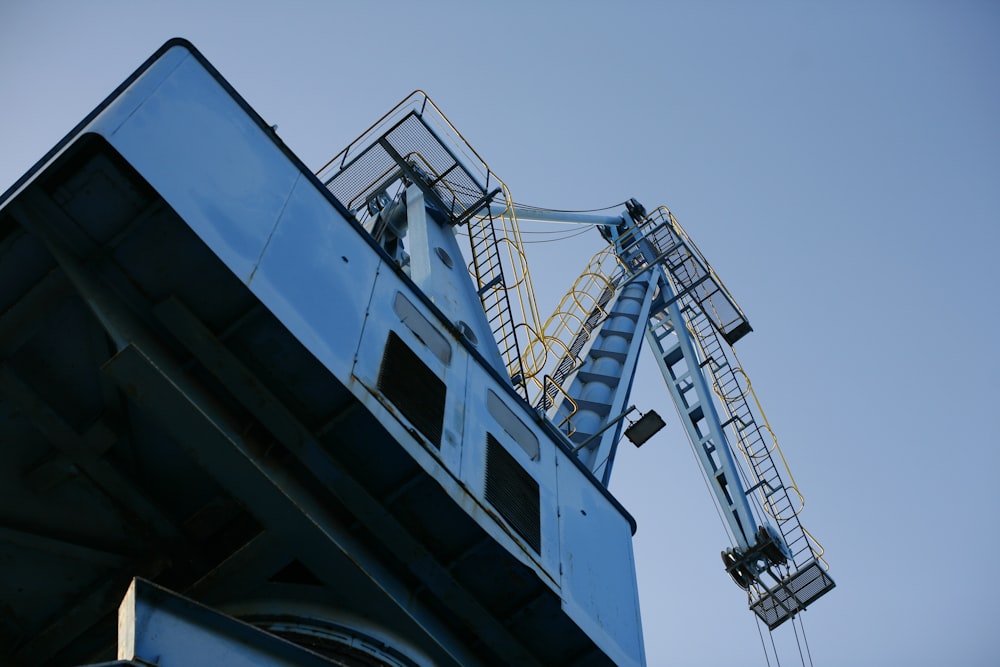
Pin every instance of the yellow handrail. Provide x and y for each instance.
(741, 394)
(509, 238)
(571, 314)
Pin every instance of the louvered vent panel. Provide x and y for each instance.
(513, 492)
(416, 391)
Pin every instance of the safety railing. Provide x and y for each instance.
(715, 322)
(677, 253)
(416, 143)
(767, 478)
(560, 349)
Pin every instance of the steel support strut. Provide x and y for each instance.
(667, 335)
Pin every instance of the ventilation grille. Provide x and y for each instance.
(513, 492)
(413, 388)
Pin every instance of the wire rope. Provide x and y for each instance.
(775, 649)
(798, 644)
(805, 640)
(763, 645)
(563, 210)
(604, 461)
(570, 235)
(551, 231)
(561, 238)
(527, 219)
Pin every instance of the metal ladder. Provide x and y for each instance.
(767, 480)
(571, 359)
(692, 332)
(780, 500)
(415, 143)
(487, 270)
(594, 387)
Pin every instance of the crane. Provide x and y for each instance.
(270, 411)
(650, 284)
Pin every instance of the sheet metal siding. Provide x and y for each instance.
(479, 422)
(598, 566)
(232, 198)
(127, 98)
(379, 320)
(238, 190)
(317, 276)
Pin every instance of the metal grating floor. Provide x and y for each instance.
(784, 600)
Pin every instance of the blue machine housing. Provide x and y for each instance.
(213, 378)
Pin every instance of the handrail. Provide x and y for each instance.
(511, 233)
(729, 401)
(511, 260)
(570, 317)
(685, 267)
(694, 248)
(567, 399)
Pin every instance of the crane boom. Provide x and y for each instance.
(690, 321)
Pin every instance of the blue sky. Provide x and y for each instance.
(839, 165)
